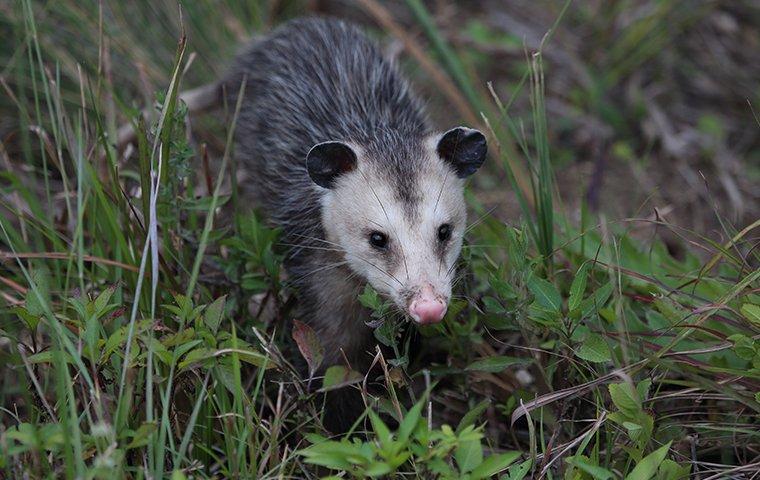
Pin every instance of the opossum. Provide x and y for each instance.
(344, 161)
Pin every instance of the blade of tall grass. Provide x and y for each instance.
(190, 427)
(544, 192)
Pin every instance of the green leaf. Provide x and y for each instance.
(114, 341)
(547, 295)
(35, 304)
(642, 388)
(648, 465)
(472, 415)
(631, 427)
(159, 350)
(578, 287)
(255, 358)
(91, 335)
(411, 419)
(582, 462)
(743, 346)
(493, 465)
(377, 469)
(178, 475)
(625, 398)
(369, 298)
(198, 355)
(594, 349)
(31, 320)
(387, 332)
(597, 300)
(518, 472)
(204, 354)
(142, 435)
(332, 454)
(380, 429)
(183, 348)
(492, 305)
(179, 338)
(495, 363)
(214, 313)
(751, 312)
(100, 305)
(441, 468)
(670, 470)
(468, 454)
(503, 289)
(339, 376)
(41, 357)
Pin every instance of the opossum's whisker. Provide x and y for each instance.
(312, 247)
(393, 227)
(373, 222)
(457, 280)
(454, 266)
(440, 192)
(320, 269)
(317, 239)
(380, 269)
(387, 284)
(480, 219)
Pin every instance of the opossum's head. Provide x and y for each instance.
(400, 220)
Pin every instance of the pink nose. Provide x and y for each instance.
(426, 307)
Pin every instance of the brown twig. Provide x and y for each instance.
(65, 256)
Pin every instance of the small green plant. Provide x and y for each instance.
(412, 449)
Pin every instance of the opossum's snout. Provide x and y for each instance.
(427, 306)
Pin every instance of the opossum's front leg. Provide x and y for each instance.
(331, 308)
(334, 312)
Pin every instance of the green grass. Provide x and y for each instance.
(130, 347)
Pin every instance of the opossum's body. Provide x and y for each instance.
(371, 204)
(310, 82)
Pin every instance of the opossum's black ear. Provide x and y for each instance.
(464, 149)
(328, 160)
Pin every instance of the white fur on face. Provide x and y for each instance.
(363, 201)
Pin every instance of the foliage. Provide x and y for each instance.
(443, 452)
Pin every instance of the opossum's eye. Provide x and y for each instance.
(464, 149)
(444, 232)
(378, 240)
